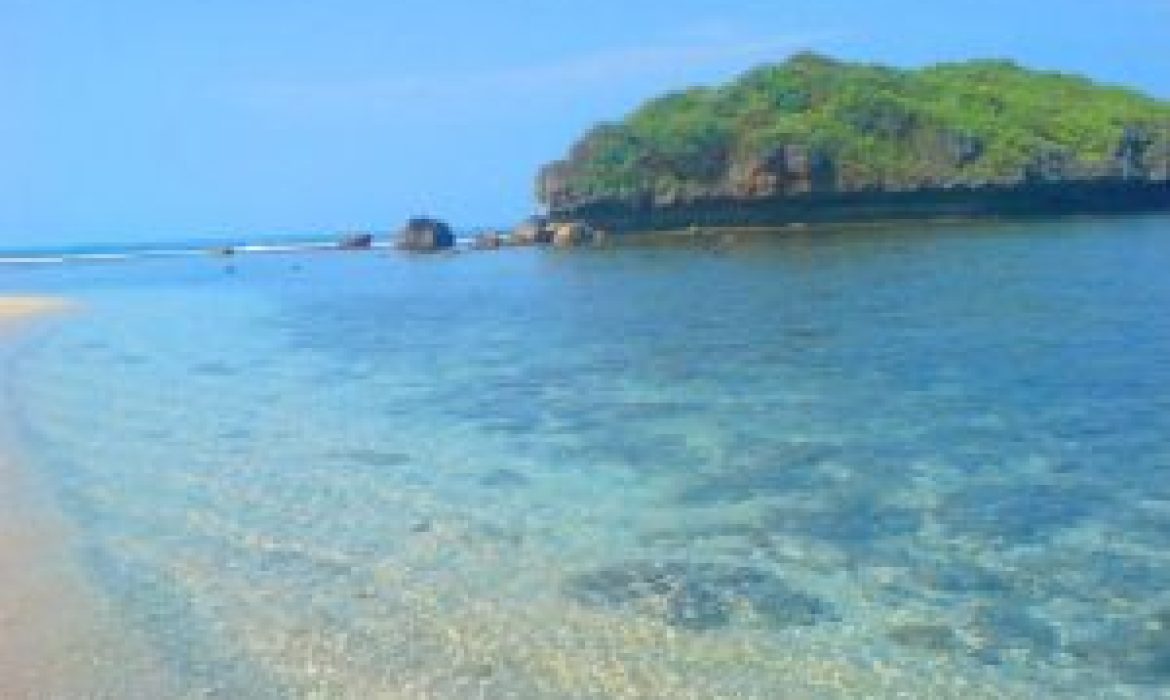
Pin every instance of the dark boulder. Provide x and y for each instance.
(424, 234)
(356, 241)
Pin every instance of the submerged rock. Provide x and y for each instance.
(214, 369)
(698, 596)
(375, 458)
(1136, 650)
(1019, 513)
(503, 478)
(930, 637)
(1009, 630)
(424, 234)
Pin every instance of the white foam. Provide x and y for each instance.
(45, 260)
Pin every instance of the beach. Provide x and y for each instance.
(58, 638)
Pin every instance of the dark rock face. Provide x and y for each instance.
(964, 149)
(356, 241)
(553, 184)
(1022, 199)
(698, 596)
(1051, 165)
(423, 234)
(1131, 153)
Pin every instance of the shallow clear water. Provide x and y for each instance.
(922, 460)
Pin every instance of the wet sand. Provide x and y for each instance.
(58, 637)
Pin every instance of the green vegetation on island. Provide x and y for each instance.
(817, 124)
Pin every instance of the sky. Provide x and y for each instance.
(140, 120)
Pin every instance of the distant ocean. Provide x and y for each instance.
(178, 248)
(902, 461)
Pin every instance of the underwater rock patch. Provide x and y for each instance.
(503, 478)
(1124, 576)
(376, 458)
(213, 369)
(236, 434)
(1021, 513)
(1137, 651)
(847, 522)
(958, 578)
(698, 596)
(760, 472)
(931, 637)
(1008, 627)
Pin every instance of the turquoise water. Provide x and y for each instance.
(900, 462)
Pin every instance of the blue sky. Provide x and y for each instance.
(144, 120)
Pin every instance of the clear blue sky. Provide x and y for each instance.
(151, 120)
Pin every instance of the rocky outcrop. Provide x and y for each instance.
(538, 230)
(791, 169)
(532, 231)
(1020, 199)
(572, 234)
(356, 241)
(424, 234)
(489, 240)
(816, 129)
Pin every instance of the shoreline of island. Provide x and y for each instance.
(961, 202)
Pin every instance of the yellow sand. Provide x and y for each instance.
(21, 307)
(58, 639)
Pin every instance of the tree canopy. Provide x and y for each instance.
(984, 121)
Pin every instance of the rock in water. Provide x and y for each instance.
(356, 241)
(534, 230)
(487, 241)
(424, 234)
(572, 234)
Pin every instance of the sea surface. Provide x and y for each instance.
(920, 461)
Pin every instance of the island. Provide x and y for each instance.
(814, 140)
